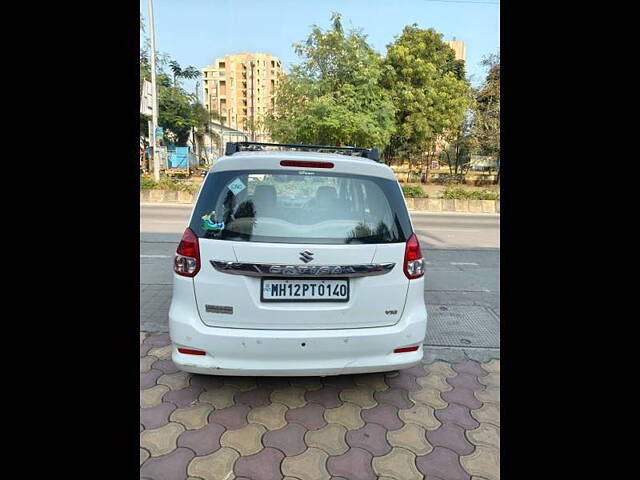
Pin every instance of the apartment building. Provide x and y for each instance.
(241, 89)
(458, 47)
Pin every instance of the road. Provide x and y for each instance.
(462, 287)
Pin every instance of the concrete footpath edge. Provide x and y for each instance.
(420, 204)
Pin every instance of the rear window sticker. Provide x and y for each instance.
(236, 186)
(209, 222)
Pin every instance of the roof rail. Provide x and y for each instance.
(234, 147)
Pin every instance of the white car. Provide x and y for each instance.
(298, 263)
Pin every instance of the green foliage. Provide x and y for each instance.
(167, 183)
(462, 194)
(147, 183)
(449, 179)
(458, 147)
(178, 111)
(428, 88)
(179, 72)
(333, 97)
(486, 124)
(413, 191)
(296, 187)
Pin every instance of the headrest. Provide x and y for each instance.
(264, 195)
(326, 194)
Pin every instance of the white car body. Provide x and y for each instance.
(220, 313)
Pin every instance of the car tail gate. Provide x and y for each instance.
(304, 247)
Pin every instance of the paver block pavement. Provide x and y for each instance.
(289, 439)
(399, 464)
(146, 363)
(264, 465)
(437, 421)
(373, 380)
(450, 436)
(420, 415)
(384, 415)
(483, 462)
(442, 463)
(292, 397)
(435, 381)
(486, 434)
(428, 396)
(309, 465)
(355, 464)
(270, 416)
(193, 417)
(411, 437)
(175, 381)
(150, 397)
(162, 440)
(330, 438)
(372, 438)
(488, 395)
(488, 413)
(220, 398)
(347, 415)
(311, 416)
(167, 467)
(155, 417)
(490, 380)
(362, 396)
(217, 466)
(161, 353)
(246, 440)
(204, 441)
(143, 453)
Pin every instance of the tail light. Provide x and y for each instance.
(187, 261)
(413, 261)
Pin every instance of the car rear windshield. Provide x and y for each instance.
(300, 207)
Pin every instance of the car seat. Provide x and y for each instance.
(264, 200)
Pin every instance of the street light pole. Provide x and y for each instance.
(154, 121)
(253, 135)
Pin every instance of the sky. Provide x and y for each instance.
(196, 32)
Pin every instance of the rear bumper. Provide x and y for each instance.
(231, 351)
(264, 354)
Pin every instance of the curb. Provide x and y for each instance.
(416, 204)
(447, 205)
(166, 196)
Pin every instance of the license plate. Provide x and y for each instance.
(305, 290)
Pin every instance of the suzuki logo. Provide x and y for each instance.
(306, 256)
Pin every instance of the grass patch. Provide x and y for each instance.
(414, 191)
(462, 194)
(167, 183)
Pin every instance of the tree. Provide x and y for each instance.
(333, 97)
(429, 90)
(458, 145)
(486, 128)
(179, 112)
(178, 72)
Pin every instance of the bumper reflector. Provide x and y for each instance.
(190, 351)
(406, 349)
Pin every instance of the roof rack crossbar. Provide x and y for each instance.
(234, 147)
